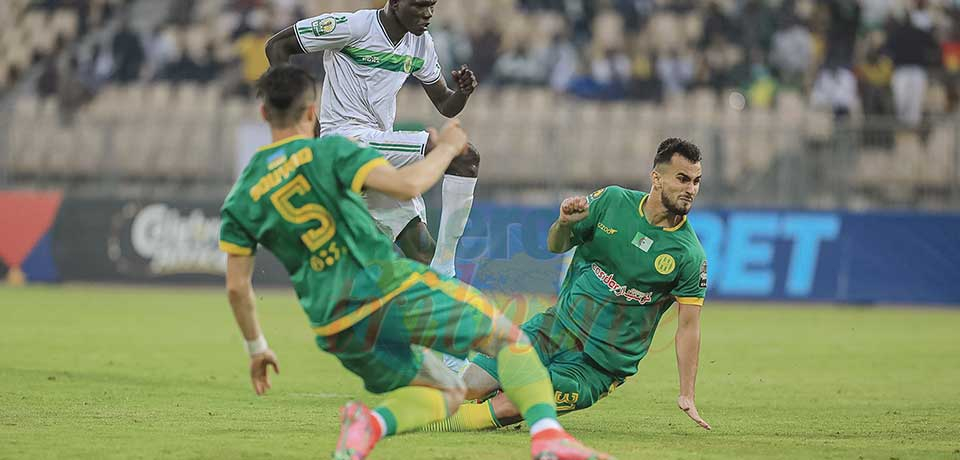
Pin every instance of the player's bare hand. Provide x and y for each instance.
(452, 134)
(466, 80)
(574, 209)
(690, 408)
(258, 370)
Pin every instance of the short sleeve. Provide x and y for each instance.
(430, 73)
(691, 286)
(331, 31)
(353, 163)
(583, 230)
(234, 239)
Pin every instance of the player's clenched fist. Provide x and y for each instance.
(574, 209)
(466, 80)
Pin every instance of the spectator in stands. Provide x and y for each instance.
(565, 58)
(72, 93)
(792, 51)
(521, 65)
(875, 73)
(97, 69)
(49, 80)
(716, 25)
(486, 45)
(452, 44)
(675, 70)
(842, 32)
(756, 24)
(762, 88)
(914, 50)
(250, 46)
(128, 54)
(835, 90)
(161, 50)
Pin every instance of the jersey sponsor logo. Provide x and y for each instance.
(408, 65)
(605, 229)
(621, 290)
(642, 242)
(665, 264)
(703, 275)
(281, 173)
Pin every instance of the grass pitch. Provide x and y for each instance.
(114, 372)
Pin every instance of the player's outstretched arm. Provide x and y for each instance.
(572, 210)
(408, 182)
(688, 359)
(283, 45)
(451, 102)
(241, 296)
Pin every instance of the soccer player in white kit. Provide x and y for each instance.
(367, 56)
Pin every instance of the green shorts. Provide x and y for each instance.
(578, 381)
(384, 348)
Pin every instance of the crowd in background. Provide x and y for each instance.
(874, 56)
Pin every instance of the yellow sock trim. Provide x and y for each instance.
(470, 417)
(414, 407)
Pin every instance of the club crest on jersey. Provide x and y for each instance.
(595, 195)
(326, 25)
(621, 290)
(665, 264)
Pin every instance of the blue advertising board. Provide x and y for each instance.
(753, 254)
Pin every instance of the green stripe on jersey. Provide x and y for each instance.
(383, 60)
(401, 146)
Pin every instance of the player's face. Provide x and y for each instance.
(415, 15)
(679, 185)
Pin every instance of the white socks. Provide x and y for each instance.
(545, 424)
(457, 200)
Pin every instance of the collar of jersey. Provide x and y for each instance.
(671, 229)
(287, 140)
(387, 36)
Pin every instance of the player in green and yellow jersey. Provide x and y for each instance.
(379, 314)
(636, 255)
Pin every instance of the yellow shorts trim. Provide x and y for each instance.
(458, 291)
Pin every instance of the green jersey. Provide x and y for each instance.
(300, 198)
(624, 276)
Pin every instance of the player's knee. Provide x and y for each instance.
(467, 164)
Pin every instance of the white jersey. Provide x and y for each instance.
(365, 71)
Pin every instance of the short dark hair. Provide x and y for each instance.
(286, 91)
(676, 146)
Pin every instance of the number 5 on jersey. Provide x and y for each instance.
(316, 238)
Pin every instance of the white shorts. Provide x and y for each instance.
(400, 148)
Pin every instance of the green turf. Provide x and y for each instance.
(112, 372)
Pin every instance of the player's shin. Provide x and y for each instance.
(527, 383)
(410, 408)
(469, 417)
(457, 201)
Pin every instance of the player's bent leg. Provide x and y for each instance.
(416, 242)
(459, 183)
